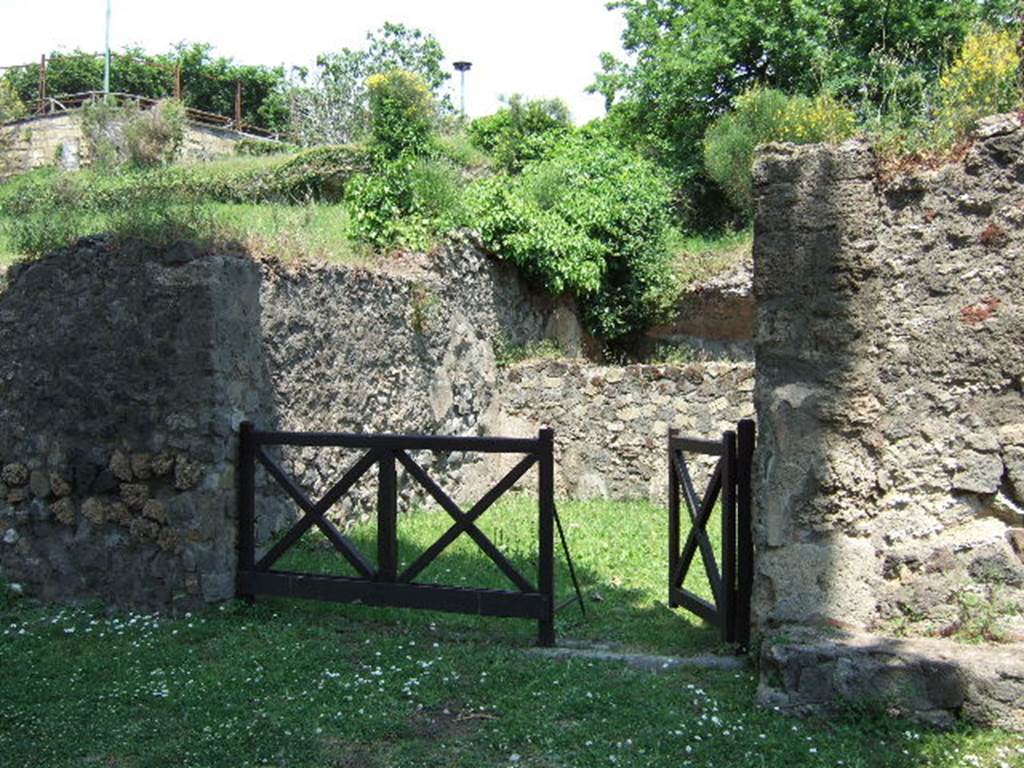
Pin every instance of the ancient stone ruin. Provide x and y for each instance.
(890, 400)
(889, 480)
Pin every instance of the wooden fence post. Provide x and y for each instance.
(546, 536)
(673, 518)
(42, 84)
(728, 606)
(745, 535)
(246, 508)
(238, 105)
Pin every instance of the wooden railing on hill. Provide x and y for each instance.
(55, 104)
(47, 103)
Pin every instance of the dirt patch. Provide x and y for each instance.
(339, 753)
(446, 722)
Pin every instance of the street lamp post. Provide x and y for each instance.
(462, 67)
(106, 59)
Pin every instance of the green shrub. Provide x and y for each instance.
(155, 223)
(154, 136)
(437, 190)
(319, 174)
(121, 134)
(11, 107)
(590, 219)
(458, 148)
(101, 127)
(401, 113)
(146, 216)
(521, 132)
(378, 201)
(400, 200)
(762, 115)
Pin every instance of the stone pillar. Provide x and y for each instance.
(122, 379)
(890, 362)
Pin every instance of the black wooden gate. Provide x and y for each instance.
(729, 484)
(383, 583)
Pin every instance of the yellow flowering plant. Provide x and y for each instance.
(982, 80)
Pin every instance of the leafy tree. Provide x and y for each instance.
(333, 107)
(691, 58)
(521, 131)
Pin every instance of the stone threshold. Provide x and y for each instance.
(653, 663)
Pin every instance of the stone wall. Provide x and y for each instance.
(57, 140)
(412, 348)
(120, 401)
(890, 352)
(611, 422)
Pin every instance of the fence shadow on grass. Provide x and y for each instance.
(619, 554)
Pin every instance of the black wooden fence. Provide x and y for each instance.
(381, 582)
(729, 609)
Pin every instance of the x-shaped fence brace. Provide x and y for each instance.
(385, 572)
(699, 512)
(729, 484)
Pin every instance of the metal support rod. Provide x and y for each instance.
(106, 57)
(568, 562)
(546, 536)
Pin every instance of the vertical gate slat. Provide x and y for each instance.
(246, 504)
(387, 518)
(546, 535)
(673, 518)
(728, 593)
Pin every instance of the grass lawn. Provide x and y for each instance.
(289, 683)
(289, 232)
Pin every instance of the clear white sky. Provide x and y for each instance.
(542, 48)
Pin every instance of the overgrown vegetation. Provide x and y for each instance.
(123, 134)
(522, 131)
(608, 212)
(590, 218)
(763, 115)
(690, 61)
(261, 198)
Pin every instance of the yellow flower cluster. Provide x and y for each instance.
(982, 80)
(822, 118)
